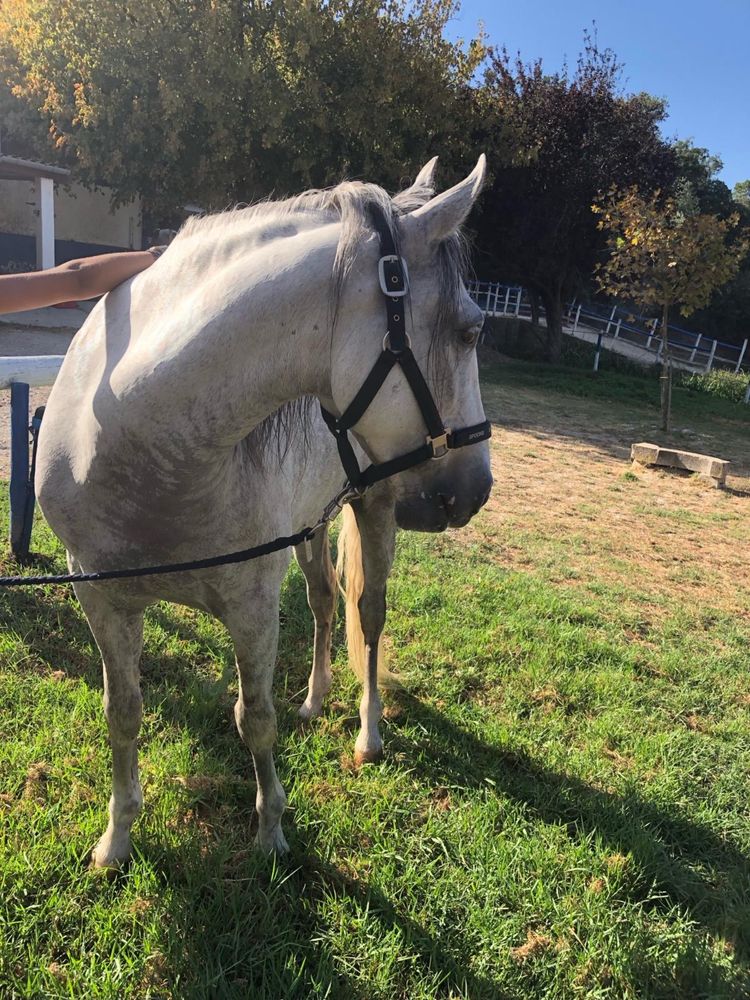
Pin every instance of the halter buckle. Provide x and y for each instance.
(387, 342)
(394, 284)
(439, 444)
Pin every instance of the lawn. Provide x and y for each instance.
(563, 806)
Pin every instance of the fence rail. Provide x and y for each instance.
(610, 324)
(33, 370)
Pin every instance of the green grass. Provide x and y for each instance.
(562, 810)
(689, 400)
(726, 385)
(578, 355)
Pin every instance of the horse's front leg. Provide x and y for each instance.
(321, 597)
(255, 633)
(377, 528)
(119, 636)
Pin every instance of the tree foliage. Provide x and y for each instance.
(741, 193)
(699, 189)
(575, 134)
(219, 100)
(658, 254)
(662, 258)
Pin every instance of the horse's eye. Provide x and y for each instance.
(471, 335)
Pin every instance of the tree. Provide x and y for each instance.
(574, 136)
(741, 193)
(220, 100)
(662, 258)
(697, 187)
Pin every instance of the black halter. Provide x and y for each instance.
(394, 284)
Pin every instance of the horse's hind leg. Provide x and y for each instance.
(255, 633)
(119, 636)
(321, 596)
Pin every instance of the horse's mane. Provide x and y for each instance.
(348, 202)
(351, 203)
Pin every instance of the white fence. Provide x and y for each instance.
(689, 350)
(35, 371)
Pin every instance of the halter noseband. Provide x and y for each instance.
(394, 284)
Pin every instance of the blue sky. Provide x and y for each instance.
(696, 55)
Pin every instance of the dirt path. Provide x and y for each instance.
(567, 503)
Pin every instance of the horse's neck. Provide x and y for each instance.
(231, 336)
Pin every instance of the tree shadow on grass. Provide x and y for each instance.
(606, 410)
(686, 860)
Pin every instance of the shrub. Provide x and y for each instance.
(724, 384)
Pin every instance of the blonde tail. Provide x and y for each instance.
(351, 579)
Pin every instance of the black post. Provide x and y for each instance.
(19, 466)
(28, 514)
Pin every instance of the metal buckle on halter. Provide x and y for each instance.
(387, 342)
(439, 444)
(391, 286)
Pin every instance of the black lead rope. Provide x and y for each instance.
(331, 510)
(394, 283)
(243, 555)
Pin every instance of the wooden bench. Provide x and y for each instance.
(713, 470)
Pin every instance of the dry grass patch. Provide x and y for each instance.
(561, 504)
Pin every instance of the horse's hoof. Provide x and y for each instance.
(307, 712)
(272, 841)
(106, 856)
(362, 757)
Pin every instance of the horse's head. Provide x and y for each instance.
(442, 326)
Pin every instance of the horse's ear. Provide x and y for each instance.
(442, 216)
(426, 176)
(420, 192)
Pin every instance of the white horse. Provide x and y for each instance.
(146, 452)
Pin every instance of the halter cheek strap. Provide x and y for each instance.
(394, 284)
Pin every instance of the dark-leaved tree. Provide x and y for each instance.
(575, 135)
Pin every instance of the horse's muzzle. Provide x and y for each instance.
(446, 505)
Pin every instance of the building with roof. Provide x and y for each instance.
(46, 219)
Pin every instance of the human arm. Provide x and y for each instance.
(75, 280)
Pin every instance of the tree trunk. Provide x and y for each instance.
(554, 315)
(534, 303)
(666, 372)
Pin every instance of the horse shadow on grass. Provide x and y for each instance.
(273, 929)
(244, 925)
(685, 860)
(678, 859)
